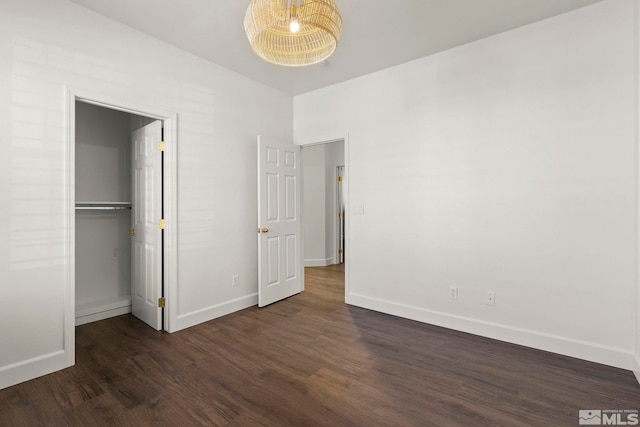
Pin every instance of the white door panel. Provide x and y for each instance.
(147, 209)
(279, 250)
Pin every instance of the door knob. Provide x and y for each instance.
(265, 230)
(132, 232)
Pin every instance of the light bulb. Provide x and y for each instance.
(294, 25)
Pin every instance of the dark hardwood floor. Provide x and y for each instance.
(311, 360)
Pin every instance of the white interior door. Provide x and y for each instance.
(146, 283)
(279, 246)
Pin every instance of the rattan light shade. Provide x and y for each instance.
(267, 24)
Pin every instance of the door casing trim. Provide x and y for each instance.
(327, 139)
(170, 268)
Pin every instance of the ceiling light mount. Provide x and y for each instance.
(293, 33)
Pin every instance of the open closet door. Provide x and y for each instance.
(146, 283)
(279, 245)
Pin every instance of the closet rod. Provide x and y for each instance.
(103, 208)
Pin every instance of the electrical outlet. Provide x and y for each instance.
(235, 281)
(453, 292)
(491, 298)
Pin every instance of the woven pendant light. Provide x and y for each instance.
(293, 33)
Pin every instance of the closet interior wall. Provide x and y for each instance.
(103, 216)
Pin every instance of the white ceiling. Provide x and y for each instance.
(377, 34)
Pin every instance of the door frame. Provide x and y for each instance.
(340, 137)
(170, 192)
(338, 200)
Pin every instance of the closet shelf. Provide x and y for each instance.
(103, 206)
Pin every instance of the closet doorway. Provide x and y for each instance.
(119, 215)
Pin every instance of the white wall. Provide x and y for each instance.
(49, 46)
(103, 159)
(505, 165)
(636, 367)
(313, 205)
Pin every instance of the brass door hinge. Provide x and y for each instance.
(340, 215)
(161, 224)
(339, 179)
(161, 145)
(161, 302)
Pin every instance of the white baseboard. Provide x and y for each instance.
(102, 314)
(318, 262)
(636, 368)
(615, 357)
(200, 316)
(31, 368)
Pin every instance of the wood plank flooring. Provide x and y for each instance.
(311, 360)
